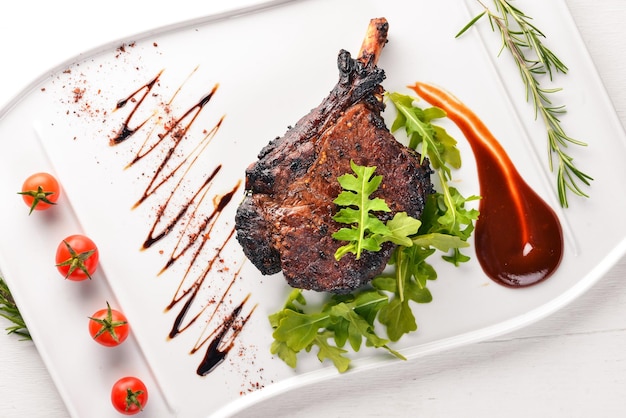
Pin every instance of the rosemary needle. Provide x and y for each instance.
(534, 59)
(9, 310)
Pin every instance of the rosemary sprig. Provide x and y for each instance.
(9, 310)
(534, 59)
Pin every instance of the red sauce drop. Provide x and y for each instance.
(518, 237)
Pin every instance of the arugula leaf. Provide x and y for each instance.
(446, 214)
(357, 327)
(409, 284)
(344, 318)
(285, 353)
(398, 317)
(298, 330)
(366, 231)
(445, 211)
(435, 142)
(331, 352)
(401, 227)
(365, 226)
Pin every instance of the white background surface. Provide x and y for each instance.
(570, 364)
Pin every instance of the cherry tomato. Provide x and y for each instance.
(77, 257)
(40, 191)
(108, 327)
(129, 395)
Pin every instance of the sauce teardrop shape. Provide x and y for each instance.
(518, 237)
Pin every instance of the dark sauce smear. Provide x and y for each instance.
(190, 293)
(518, 237)
(175, 208)
(125, 131)
(222, 339)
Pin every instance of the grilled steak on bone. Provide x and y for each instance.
(285, 222)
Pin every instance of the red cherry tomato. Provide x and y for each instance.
(40, 191)
(77, 257)
(129, 395)
(108, 327)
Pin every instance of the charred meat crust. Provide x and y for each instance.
(357, 82)
(285, 221)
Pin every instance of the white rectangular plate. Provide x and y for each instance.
(265, 69)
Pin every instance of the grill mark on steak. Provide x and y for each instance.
(285, 220)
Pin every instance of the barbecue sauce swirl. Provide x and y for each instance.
(518, 237)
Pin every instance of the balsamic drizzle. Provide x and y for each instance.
(125, 131)
(174, 211)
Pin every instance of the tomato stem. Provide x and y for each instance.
(38, 196)
(76, 260)
(132, 398)
(108, 325)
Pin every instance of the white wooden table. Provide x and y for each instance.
(572, 364)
